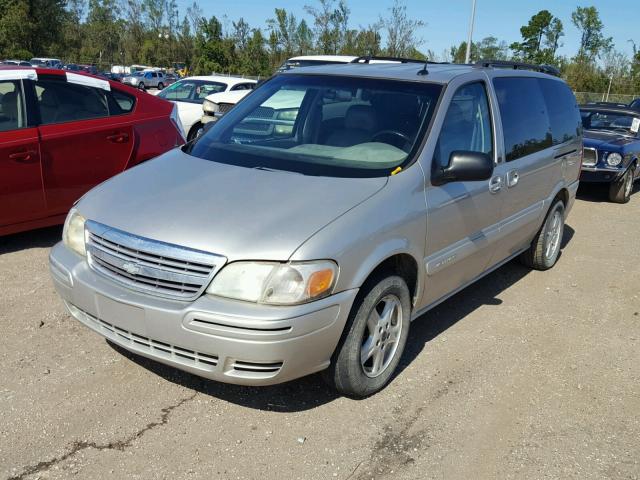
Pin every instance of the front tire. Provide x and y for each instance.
(620, 191)
(160, 86)
(374, 338)
(195, 132)
(545, 248)
(141, 86)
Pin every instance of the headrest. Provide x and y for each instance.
(361, 117)
(49, 98)
(10, 104)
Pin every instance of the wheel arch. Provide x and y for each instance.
(393, 258)
(193, 129)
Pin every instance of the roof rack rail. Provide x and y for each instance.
(368, 58)
(548, 69)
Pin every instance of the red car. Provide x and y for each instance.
(61, 133)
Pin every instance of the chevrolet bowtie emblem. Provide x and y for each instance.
(131, 268)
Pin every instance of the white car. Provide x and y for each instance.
(217, 104)
(189, 94)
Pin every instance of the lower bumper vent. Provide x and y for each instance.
(202, 361)
(241, 366)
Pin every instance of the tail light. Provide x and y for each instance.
(176, 121)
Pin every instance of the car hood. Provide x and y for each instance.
(233, 96)
(606, 141)
(238, 212)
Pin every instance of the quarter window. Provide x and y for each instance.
(59, 102)
(120, 103)
(525, 120)
(564, 115)
(12, 116)
(467, 125)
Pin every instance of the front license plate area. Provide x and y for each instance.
(122, 315)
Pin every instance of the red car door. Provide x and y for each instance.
(21, 193)
(81, 143)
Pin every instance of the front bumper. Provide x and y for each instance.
(600, 174)
(224, 340)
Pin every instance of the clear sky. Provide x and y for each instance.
(447, 20)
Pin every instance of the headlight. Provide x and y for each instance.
(290, 114)
(73, 232)
(209, 106)
(275, 283)
(614, 159)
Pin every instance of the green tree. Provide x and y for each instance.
(304, 38)
(102, 39)
(285, 28)
(540, 39)
(211, 52)
(592, 41)
(331, 24)
(31, 27)
(401, 31)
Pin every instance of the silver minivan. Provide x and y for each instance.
(319, 217)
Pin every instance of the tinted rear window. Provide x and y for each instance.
(525, 120)
(120, 102)
(564, 115)
(60, 102)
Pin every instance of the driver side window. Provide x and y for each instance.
(467, 125)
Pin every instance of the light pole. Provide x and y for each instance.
(467, 57)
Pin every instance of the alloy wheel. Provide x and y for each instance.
(553, 235)
(381, 336)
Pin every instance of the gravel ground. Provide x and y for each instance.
(523, 375)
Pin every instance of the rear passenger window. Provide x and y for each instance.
(120, 103)
(467, 126)
(523, 111)
(61, 102)
(564, 115)
(12, 115)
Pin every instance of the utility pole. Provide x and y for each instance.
(609, 89)
(467, 57)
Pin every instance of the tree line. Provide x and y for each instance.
(155, 32)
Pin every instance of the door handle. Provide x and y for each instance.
(23, 157)
(512, 178)
(118, 138)
(495, 184)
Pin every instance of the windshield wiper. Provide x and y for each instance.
(270, 169)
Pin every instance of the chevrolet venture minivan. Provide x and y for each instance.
(319, 217)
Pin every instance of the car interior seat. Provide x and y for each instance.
(360, 123)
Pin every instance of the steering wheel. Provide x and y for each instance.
(396, 135)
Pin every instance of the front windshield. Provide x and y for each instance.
(191, 91)
(323, 125)
(610, 121)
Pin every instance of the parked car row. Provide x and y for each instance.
(313, 221)
(62, 133)
(189, 94)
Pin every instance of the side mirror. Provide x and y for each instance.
(464, 167)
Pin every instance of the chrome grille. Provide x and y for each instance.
(224, 107)
(148, 265)
(590, 157)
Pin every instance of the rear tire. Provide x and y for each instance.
(620, 191)
(373, 339)
(160, 86)
(545, 248)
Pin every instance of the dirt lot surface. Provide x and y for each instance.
(523, 375)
